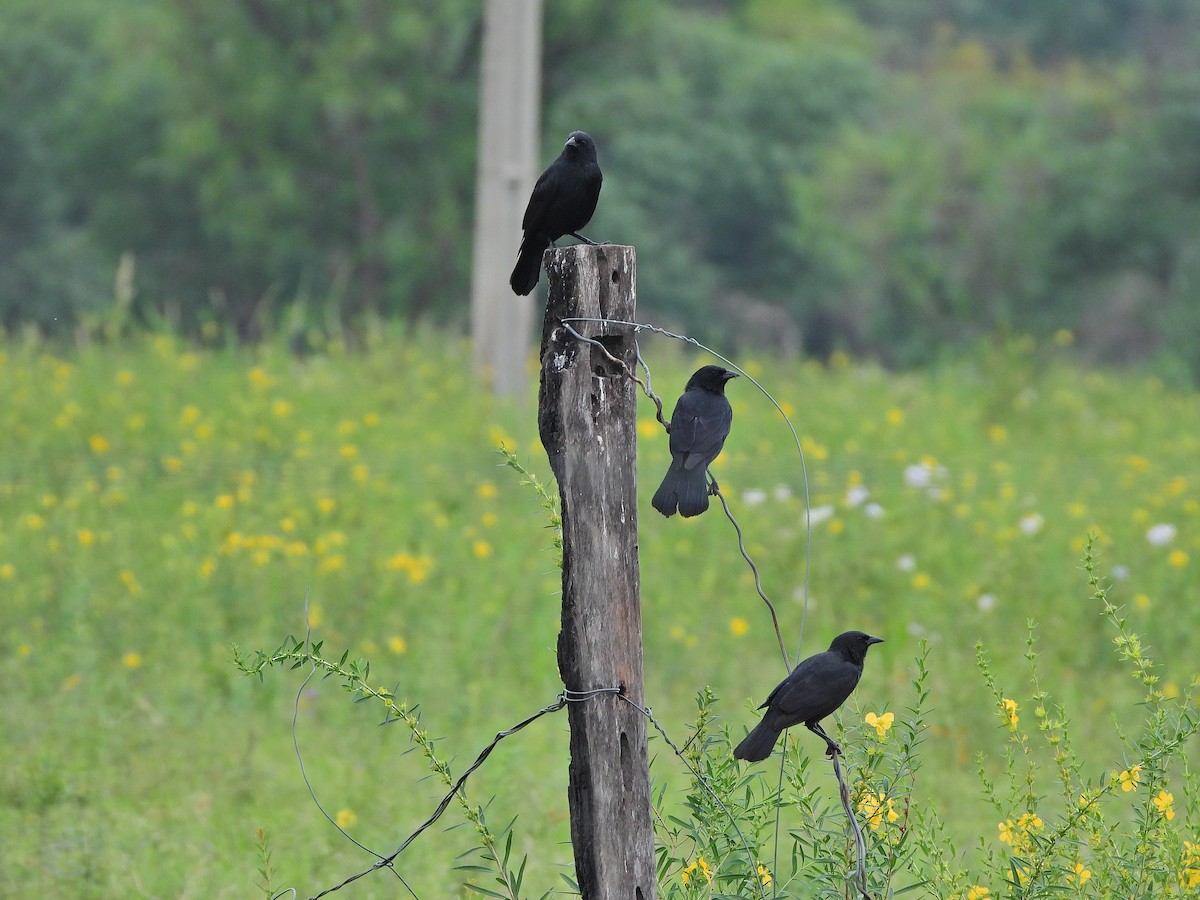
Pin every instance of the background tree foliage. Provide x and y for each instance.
(881, 177)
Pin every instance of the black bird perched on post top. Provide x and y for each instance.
(562, 202)
(699, 426)
(813, 690)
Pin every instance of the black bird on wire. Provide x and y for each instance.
(814, 689)
(699, 426)
(562, 202)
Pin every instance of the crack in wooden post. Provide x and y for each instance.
(587, 419)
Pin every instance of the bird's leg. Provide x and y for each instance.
(589, 241)
(831, 747)
(713, 488)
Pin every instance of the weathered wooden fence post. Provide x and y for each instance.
(587, 421)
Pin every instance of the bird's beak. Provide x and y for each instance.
(572, 142)
(874, 640)
(730, 375)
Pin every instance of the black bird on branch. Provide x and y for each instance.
(813, 690)
(562, 202)
(699, 426)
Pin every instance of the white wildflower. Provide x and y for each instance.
(1032, 523)
(1161, 534)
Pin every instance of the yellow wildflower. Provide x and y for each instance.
(259, 378)
(1189, 873)
(881, 724)
(877, 807)
(335, 562)
(1008, 712)
(1130, 778)
(1079, 874)
(1164, 801)
(130, 581)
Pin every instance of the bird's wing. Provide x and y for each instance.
(699, 429)
(816, 687)
(545, 189)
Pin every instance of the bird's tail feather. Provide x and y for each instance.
(528, 269)
(682, 490)
(758, 744)
(666, 499)
(693, 493)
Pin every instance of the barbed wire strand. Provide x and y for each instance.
(563, 699)
(716, 492)
(713, 487)
(644, 326)
(628, 372)
(703, 782)
(637, 352)
(300, 756)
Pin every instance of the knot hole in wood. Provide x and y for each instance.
(616, 346)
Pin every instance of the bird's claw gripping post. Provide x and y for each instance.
(590, 242)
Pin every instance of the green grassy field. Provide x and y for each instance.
(159, 503)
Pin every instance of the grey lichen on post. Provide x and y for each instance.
(587, 418)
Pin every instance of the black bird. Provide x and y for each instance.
(814, 689)
(562, 202)
(699, 426)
